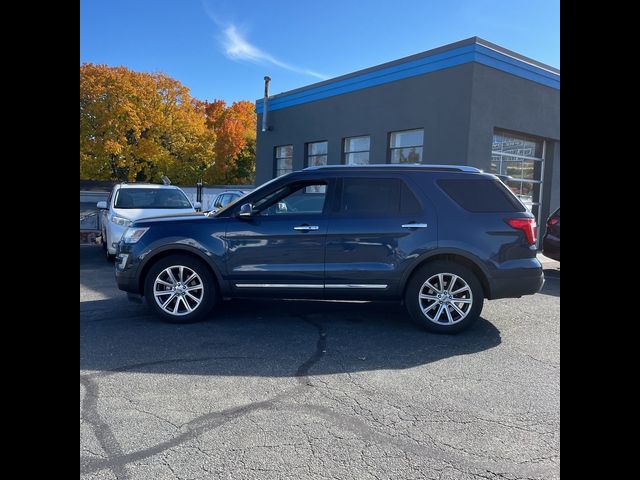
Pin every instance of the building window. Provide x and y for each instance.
(356, 150)
(284, 160)
(406, 146)
(316, 154)
(520, 157)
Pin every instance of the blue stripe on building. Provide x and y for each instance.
(432, 63)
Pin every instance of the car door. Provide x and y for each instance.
(279, 249)
(378, 226)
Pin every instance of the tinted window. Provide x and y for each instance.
(370, 196)
(482, 195)
(151, 198)
(409, 204)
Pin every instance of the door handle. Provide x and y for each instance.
(306, 228)
(414, 225)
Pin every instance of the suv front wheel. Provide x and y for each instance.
(180, 288)
(444, 297)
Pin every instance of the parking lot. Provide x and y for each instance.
(309, 389)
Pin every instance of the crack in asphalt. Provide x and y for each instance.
(302, 373)
(101, 429)
(117, 459)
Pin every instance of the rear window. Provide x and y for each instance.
(481, 195)
(383, 197)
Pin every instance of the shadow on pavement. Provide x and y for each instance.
(258, 337)
(551, 282)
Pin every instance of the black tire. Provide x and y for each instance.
(205, 277)
(454, 321)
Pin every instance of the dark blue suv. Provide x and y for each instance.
(440, 238)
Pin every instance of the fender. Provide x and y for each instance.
(185, 244)
(448, 251)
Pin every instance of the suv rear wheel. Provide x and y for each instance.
(444, 297)
(180, 288)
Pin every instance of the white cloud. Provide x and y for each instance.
(236, 47)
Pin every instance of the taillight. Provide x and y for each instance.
(527, 225)
(553, 220)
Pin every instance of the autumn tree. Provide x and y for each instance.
(139, 126)
(235, 149)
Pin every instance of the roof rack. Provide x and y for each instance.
(421, 166)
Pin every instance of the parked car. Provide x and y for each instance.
(129, 202)
(225, 198)
(441, 238)
(551, 239)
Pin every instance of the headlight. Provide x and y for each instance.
(132, 235)
(120, 221)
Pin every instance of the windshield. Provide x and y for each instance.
(151, 198)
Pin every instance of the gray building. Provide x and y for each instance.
(471, 102)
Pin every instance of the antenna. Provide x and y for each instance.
(165, 180)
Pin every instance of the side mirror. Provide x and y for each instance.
(102, 205)
(246, 211)
(197, 206)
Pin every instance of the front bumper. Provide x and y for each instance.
(114, 235)
(127, 270)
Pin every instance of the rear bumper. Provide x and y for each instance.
(516, 282)
(551, 247)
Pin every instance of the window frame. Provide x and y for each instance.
(329, 195)
(307, 156)
(276, 158)
(345, 153)
(390, 149)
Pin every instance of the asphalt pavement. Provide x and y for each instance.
(311, 389)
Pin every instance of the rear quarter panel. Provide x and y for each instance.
(485, 238)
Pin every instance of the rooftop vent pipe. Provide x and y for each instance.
(265, 103)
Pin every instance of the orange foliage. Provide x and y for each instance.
(235, 127)
(140, 126)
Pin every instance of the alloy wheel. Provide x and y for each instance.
(445, 298)
(178, 290)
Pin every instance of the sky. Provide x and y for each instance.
(222, 49)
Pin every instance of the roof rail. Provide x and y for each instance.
(421, 166)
